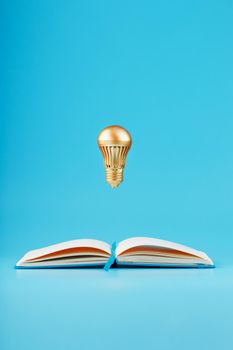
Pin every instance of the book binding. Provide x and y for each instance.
(112, 257)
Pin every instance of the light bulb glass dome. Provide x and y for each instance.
(115, 135)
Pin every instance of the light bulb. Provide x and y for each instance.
(114, 143)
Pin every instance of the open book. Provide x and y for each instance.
(136, 251)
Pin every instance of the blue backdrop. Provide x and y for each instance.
(163, 70)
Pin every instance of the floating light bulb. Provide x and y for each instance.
(114, 143)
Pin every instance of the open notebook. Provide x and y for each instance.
(136, 251)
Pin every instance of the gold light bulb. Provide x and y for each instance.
(114, 143)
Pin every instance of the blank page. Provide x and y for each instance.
(155, 242)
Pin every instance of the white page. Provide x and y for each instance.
(66, 262)
(160, 243)
(78, 243)
(158, 259)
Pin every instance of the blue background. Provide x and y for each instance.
(163, 70)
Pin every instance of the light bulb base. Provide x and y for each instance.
(114, 176)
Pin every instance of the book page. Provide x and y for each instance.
(66, 262)
(159, 243)
(101, 247)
